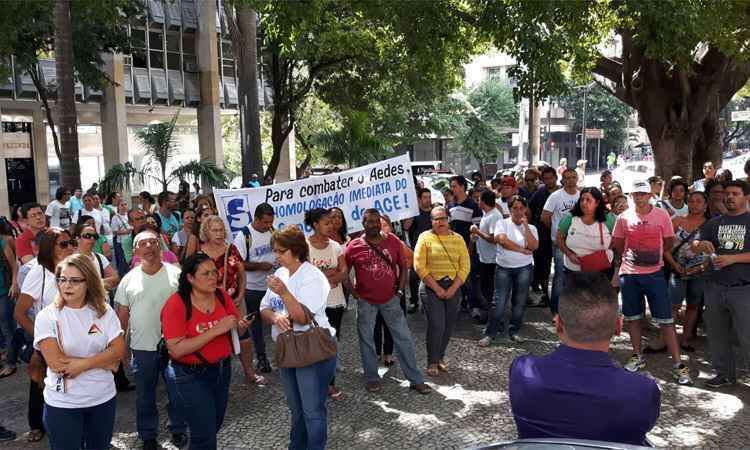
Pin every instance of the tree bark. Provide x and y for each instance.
(70, 172)
(535, 125)
(242, 22)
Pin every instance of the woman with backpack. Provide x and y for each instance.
(197, 322)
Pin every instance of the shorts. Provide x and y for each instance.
(690, 290)
(654, 286)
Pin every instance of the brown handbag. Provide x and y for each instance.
(295, 349)
(37, 368)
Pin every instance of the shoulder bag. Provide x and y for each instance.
(597, 261)
(295, 349)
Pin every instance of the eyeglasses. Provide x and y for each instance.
(441, 218)
(64, 244)
(90, 236)
(75, 281)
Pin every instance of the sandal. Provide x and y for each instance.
(433, 370)
(258, 380)
(442, 366)
(334, 393)
(388, 361)
(34, 435)
(7, 371)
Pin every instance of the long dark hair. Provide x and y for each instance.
(185, 289)
(600, 215)
(47, 242)
(344, 230)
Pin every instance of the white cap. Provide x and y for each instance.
(642, 187)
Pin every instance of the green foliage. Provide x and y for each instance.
(602, 111)
(354, 143)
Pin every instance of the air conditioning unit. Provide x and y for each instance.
(191, 67)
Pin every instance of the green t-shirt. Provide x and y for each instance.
(568, 219)
(144, 295)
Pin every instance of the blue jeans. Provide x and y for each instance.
(201, 394)
(147, 367)
(518, 280)
(690, 290)
(557, 280)
(654, 287)
(8, 328)
(402, 339)
(74, 428)
(306, 390)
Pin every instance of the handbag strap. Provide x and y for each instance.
(226, 270)
(687, 239)
(310, 316)
(383, 257)
(601, 234)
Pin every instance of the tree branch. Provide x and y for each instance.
(609, 69)
(42, 90)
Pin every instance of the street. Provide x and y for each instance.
(470, 408)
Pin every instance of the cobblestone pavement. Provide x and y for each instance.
(470, 407)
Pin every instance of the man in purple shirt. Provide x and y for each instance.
(582, 392)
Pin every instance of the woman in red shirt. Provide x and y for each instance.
(198, 322)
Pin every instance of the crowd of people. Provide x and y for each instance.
(105, 297)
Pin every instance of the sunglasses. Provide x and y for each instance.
(438, 219)
(90, 236)
(64, 244)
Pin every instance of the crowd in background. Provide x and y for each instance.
(99, 296)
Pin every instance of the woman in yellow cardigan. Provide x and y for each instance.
(441, 261)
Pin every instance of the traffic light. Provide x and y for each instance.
(579, 140)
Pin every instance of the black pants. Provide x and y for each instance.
(487, 281)
(36, 406)
(542, 264)
(383, 338)
(413, 288)
(335, 317)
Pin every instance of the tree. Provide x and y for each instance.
(70, 171)
(357, 55)
(677, 62)
(603, 111)
(27, 33)
(242, 21)
(354, 143)
(160, 147)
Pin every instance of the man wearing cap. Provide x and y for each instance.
(508, 188)
(140, 297)
(640, 235)
(530, 184)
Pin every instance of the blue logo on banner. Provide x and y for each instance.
(238, 212)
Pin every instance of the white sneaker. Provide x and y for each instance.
(517, 339)
(635, 363)
(681, 374)
(485, 341)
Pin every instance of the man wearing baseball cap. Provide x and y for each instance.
(508, 188)
(640, 235)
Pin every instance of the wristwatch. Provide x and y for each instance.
(400, 292)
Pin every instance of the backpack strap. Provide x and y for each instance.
(101, 265)
(248, 241)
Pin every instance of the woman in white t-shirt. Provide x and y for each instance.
(516, 240)
(180, 238)
(37, 291)
(87, 236)
(82, 342)
(121, 228)
(328, 256)
(586, 231)
(299, 283)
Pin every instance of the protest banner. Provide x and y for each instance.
(387, 186)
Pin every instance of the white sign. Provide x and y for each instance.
(16, 145)
(741, 116)
(594, 133)
(387, 186)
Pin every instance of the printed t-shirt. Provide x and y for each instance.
(730, 235)
(584, 239)
(463, 216)
(80, 334)
(310, 287)
(39, 279)
(144, 295)
(260, 251)
(560, 203)
(23, 244)
(59, 214)
(516, 233)
(644, 240)
(175, 324)
(94, 214)
(685, 256)
(170, 225)
(488, 250)
(376, 278)
(328, 258)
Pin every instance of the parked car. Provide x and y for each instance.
(437, 183)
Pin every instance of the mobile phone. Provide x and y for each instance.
(250, 316)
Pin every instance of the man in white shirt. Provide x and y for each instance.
(254, 245)
(486, 246)
(709, 172)
(558, 204)
(58, 211)
(89, 209)
(140, 296)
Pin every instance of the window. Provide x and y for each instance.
(188, 52)
(226, 58)
(138, 42)
(156, 47)
(496, 72)
(173, 50)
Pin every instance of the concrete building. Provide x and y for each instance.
(182, 61)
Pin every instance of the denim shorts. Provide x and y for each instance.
(654, 287)
(690, 290)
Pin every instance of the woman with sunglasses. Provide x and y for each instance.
(39, 290)
(82, 342)
(101, 245)
(197, 322)
(86, 237)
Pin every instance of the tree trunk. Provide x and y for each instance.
(708, 145)
(535, 124)
(242, 21)
(70, 172)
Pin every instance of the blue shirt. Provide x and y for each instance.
(581, 394)
(75, 205)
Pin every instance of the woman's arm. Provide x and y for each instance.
(10, 259)
(191, 246)
(23, 305)
(107, 250)
(531, 241)
(342, 270)
(110, 278)
(561, 242)
(182, 346)
(241, 281)
(53, 356)
(502, 240)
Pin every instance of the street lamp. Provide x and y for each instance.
(583, 119)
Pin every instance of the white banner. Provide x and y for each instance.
(387, 186)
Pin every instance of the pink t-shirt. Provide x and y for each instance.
(644, 240)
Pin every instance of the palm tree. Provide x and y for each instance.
(70, 172)
(354, 143)
(160, 147)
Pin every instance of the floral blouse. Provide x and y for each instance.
(231, 271)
